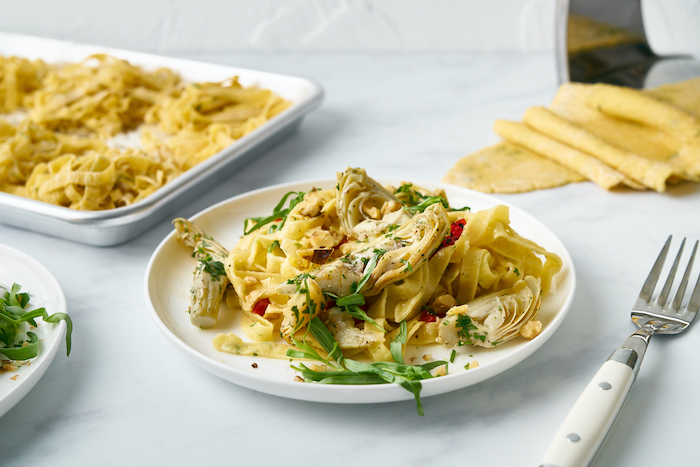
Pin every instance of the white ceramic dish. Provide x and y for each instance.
(114, 226)
(169, 275)
(44, 291)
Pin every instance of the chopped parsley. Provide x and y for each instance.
(214, 268)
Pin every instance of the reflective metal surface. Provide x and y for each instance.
(114, 226)
(605, 41)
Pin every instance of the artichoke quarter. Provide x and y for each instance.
(360, 197)
(393, 256)
(495, 318)
(210, 280)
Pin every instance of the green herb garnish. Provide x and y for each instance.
(214, 268)
(279, 212)
(12, 317)
(347, 371)
(415, 201)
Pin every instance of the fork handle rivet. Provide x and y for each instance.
(573, 437)
(605, 386)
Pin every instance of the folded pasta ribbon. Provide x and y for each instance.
(95, 181)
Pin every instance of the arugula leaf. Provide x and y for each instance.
(12, 315)
(371, 265)
(350, 371)
(414, 201)
(350, 303)
(324, 337)
(279, 212)
(420, 207)
(23, 352)
(397, 344)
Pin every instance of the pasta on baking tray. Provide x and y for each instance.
(365, 258)
(104, 133)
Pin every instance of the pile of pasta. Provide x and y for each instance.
(364, 258)
(611, 135)
(103, 133)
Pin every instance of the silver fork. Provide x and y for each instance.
(589, 421)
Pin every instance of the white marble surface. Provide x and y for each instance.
(125, 396)
(177, 26)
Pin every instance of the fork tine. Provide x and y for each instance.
(675, 305)
(671, 276)
(694, 303)
(653, 277)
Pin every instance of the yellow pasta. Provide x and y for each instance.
(65, 128)
(364, 258)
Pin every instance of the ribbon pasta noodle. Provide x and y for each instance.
(364, 258)
(103, 133)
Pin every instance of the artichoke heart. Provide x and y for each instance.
(388, 258)
(360, 197)
(346, 334)
(303, 305)
(493, 319)
(210, 280)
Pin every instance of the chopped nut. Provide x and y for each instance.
(473, 364)
(443, 303)
(250, 280)
(323, 238)
(14, 378)
(531, 329)
(298, 379)
(442, 371)
(346, 248)
(390, 206)
(371, 211)
(311, 207)
(427, 357)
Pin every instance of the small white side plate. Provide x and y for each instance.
(44, 291)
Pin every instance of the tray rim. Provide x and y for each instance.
(312, 95)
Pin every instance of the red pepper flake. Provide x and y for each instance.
(254, 365)
(261, 306)
(427, 315)
(456, 230)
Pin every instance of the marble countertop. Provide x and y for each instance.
(126, 396)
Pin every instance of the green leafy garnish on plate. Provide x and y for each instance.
(279, 213)
(13, 317)
(346, 371)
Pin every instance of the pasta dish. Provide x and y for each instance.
(103, 133)
(358, 272)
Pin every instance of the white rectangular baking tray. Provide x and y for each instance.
(115, 226)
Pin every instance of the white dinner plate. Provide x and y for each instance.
(44, 291)
(169, 278)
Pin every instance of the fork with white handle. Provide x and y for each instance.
(589, 421)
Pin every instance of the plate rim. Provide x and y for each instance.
(355, 394)
(47, 350)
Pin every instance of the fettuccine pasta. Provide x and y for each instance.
(365, 258)
(103, 133)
